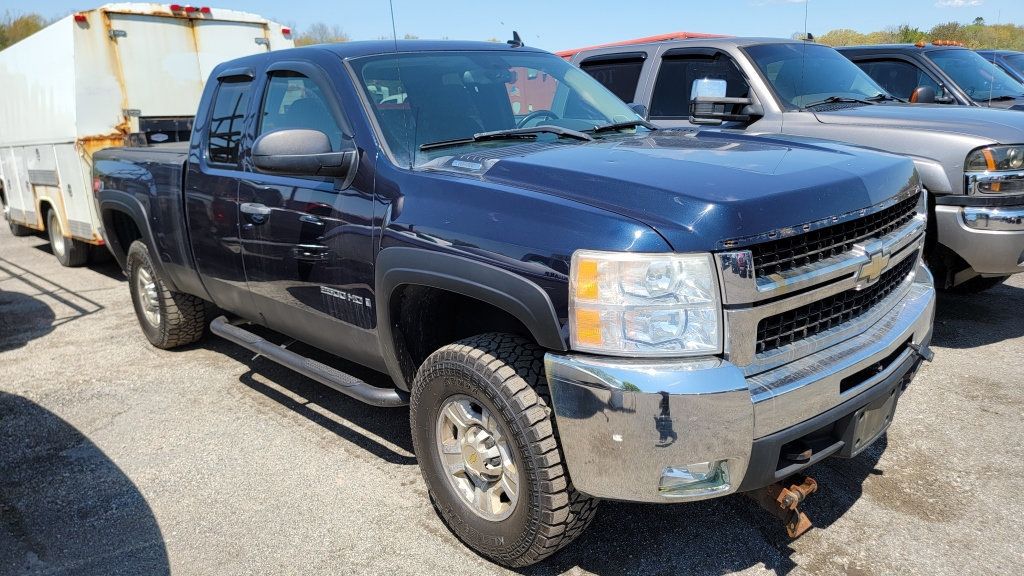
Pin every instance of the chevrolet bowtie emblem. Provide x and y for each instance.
(878, 260)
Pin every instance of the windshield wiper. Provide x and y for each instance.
(837, 100)
(885, 98)
(1001, 98)
(622, 126)
(524, 133)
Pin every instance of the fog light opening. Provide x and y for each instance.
(698, 479)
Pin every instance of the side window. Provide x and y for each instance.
(225, 128)
(671, 98)
(621, 76)
(294, 101)
(898, 77)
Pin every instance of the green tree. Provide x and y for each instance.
(320, 33)
(16, 28)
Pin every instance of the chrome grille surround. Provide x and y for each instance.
(749, 299)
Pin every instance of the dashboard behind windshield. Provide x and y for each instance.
(431, 97)
(979, 78)
(803, 73)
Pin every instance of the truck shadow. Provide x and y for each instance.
(970, 321)
(99, 261)
(712, 536)
(25, 316)
(65, 507)
(383, 433)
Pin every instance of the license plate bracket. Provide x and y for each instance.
(868, 423)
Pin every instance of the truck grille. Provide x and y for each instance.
(806, 321)
(786, 254)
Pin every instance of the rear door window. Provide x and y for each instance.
(671, 97)
(620, 75)
(899, 77)
(224, 132)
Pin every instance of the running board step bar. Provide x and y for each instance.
(344, 383)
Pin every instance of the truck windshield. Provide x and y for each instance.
(803, 73)
(979, 78)
(1015, 61)
(432, 97)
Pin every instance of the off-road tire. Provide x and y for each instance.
(182, 316)
(977, 284)
(505, 374)
(69, 252)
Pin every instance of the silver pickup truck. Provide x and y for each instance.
(971, 160)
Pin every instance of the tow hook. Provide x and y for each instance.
(783, 500)
(923, 351)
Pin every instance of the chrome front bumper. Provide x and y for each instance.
(990, 239)
(627, 424)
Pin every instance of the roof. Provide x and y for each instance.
(372, 47)
(154, 9)
(900, 47)
(722, 42)
(681, 35)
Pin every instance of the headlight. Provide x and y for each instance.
(622, 303)
(992, 169)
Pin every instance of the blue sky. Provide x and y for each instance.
(556, 25)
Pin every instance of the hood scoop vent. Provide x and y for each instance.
(480, 161)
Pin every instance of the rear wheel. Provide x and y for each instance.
(167, 318)
(69, 252)
(16, 229)
(488, 449)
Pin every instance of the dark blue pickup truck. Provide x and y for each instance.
(575, 304)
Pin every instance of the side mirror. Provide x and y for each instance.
(300, 152)
(923, 95)
(640, 110)
(709, 104)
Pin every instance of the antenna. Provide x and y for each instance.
(516, 41)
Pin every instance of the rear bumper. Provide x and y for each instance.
(630, 428)
(989, 238)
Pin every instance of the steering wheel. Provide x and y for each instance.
(536, 114)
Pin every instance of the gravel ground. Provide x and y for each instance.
(118, 458)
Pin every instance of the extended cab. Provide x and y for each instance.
(575, 305)
(971, 160)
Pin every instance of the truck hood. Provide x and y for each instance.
(1000, 126)
(700, 189)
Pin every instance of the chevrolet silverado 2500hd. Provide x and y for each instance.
(575, 304)
(971, 160)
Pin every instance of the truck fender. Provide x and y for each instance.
(523, 299)
(111, 201)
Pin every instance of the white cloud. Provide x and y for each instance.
(958, 3)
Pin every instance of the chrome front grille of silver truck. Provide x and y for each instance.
(777, 319)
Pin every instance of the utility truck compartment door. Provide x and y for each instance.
(158, 63)
(222, 40)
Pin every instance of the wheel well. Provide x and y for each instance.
(44, 210)
(425, 319)
(122, 228)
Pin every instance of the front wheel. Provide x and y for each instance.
(167, 318)
(69, 252)
(488, 449)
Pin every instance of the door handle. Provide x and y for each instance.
(310, 253)
(257, 213)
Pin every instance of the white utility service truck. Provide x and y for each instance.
(116, 75)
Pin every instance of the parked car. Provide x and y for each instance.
(1008, 61)
(954, 74)
(971, 160)
(105, 77)
(575, 305)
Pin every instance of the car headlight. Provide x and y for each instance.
(995, 169)
(623, 303)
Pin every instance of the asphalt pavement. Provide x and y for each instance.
(118, 458)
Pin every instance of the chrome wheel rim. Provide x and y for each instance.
(56, 237)
(478, 462)
(149, 300)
